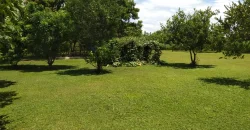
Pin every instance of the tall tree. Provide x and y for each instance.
(46, 29)
(98, 21)
(129, 23)
(236, 27)
(190, 31)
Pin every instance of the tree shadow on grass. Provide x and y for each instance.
(84, 71)
(6, 98)
(3, 122)
(228, 81)
(184, 65)
(5, 83)
(36, 68)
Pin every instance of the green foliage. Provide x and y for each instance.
(131, 49)
(159, 36)
(134, 49)
(129, 12)
(54, 5)
(12, 45)
(236, 48)
(189, 31)
(101, 56)
(46, 30)
(11, 9)
(127, 51)
(217, 38)
(99, 21)
(236, 27)
(73, 97)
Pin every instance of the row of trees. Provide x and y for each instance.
(195, 32)
(44, 28)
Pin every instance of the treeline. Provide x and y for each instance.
(195, 33)
(47, 28)
(109, 32)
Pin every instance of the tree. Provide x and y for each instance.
(11, 32)
(129, 23)
(236, 28)
(98, 21)
(46, 29)
(12, 45)
(190, 31)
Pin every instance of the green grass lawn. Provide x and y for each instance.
(214, 95)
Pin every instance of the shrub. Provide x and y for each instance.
(134, 50)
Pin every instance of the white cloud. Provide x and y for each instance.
(154, 12)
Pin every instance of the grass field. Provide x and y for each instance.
(215, 95)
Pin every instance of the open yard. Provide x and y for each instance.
(215, 95)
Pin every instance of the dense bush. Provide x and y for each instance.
(132, 51)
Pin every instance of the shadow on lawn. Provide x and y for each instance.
(3, 122)
(184, 65)
(84, 71)
(4, 83)
(6, 98)
(227, 81)
(36, 68)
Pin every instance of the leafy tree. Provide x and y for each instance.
(54, 5)
(12, 45)
(190, 31)
(9, 8)
(157, 36)
(129, 23)
(46, 29)
(236, 28)
(98, 21)
(11, 31)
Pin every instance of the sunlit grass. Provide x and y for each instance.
(214, 95)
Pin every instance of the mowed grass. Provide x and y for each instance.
(215, 95)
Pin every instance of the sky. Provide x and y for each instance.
(154, 12)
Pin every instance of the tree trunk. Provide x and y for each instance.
(51, 60)
(193, 59)
(99, 67)
(74, 48)
(191, 55)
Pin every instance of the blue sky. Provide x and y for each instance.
(154, 12)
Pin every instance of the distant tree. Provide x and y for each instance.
(217, 38)
(158, 36)
(190, 31)
(236, 27)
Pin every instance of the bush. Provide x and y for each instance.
(132, 51)
(127, 51)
